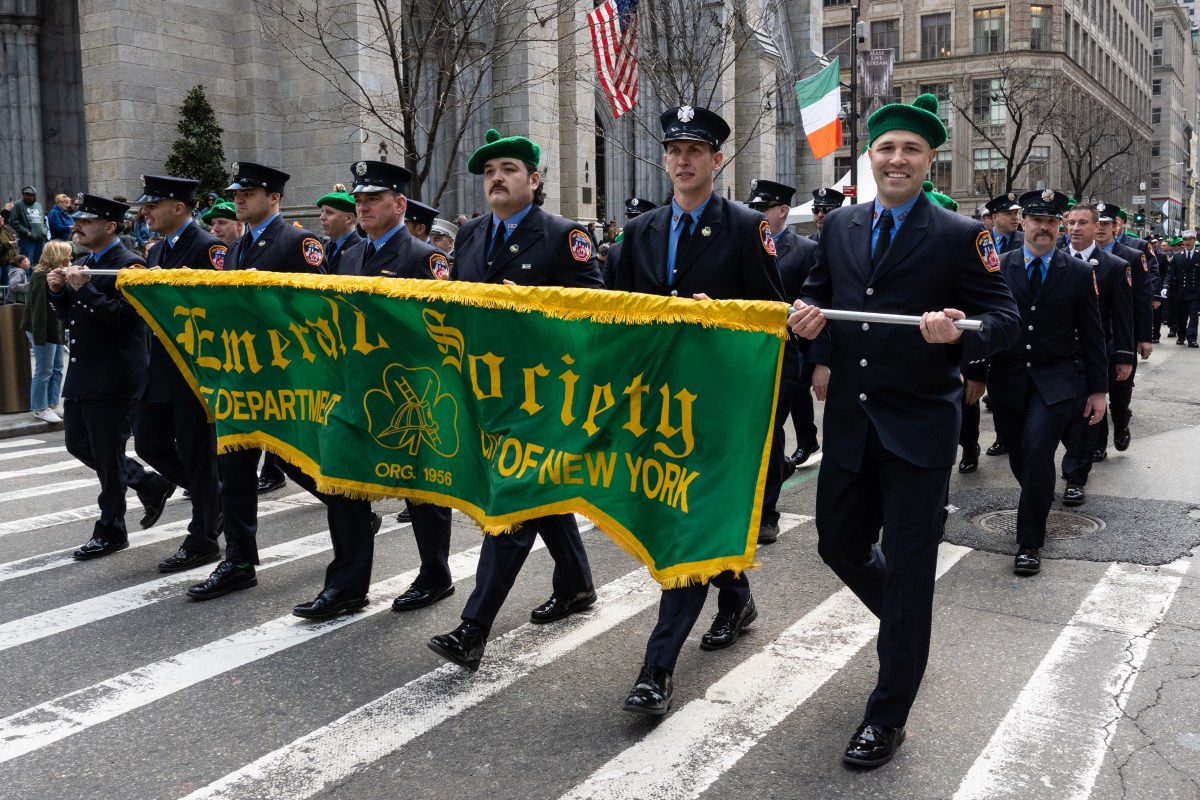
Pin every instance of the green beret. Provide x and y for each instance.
(340, 201)
(1178, 240)
(517, 147)
(223, 210)
(921, 118)
(1121, 213)
(944, 200)
(1072, 202)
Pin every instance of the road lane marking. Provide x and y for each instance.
(39, 491)
(37, 451)
(4, 445)
(694, 746)
(44, 469)
(1054, 738)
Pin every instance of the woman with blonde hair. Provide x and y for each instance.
(59, 219)
(45, 336)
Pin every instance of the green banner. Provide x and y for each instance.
(651, 416)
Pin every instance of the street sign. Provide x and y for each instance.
(1139, 200)
(850, 191)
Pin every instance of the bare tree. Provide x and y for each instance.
(416, 72)
(1096, 147)
(1011, 110)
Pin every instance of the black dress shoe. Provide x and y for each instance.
(726, 628)
(1074, 495)
(789, 467)
(464, 645)
(186, 559)
(651, 692)
(96, 547)
(376, 522)
(154, 504)
(873, 745)
(1193, 344)
(270, 484)
(768, 533)
(226, 578)
(556, 608)
(970, 460)
(1028, 561)
(416, 597)
(997, 449)
(804, 453)
(1099, 454)
(1180, 341)
(1121, 439)
(1154, 340)
(404, 515)
(329, 603)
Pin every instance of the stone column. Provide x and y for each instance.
(577, 115)
(21, 160)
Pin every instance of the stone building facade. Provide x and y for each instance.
(1175, 59)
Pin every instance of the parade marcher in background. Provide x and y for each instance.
(1137, 275)
(824, 201)
(419, 219)
(1033, 383)
(985, 218)
(222, 219)
(171, 431)
(45, 334)
(1006, 223)
(520, 243)
(634, 207)
(1183, 289)
(699, 246)
(338, 223)
(442, 234)
(891, 420)
(795, 257)
(1114, 297)
(29, 221)
(268, 244)
(108, 365)
(59, 219)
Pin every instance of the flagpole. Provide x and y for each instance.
(854, 102)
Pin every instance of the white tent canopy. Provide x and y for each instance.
(866, 191)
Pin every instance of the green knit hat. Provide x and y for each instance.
(1124, 216)
(921, 118)
(1176, 241)
(1072, 202)
(517, 147)
(340, 201)
(944, 200)
(222, 210)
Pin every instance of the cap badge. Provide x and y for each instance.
(1100, 206)
(633, 202)
(821, 192)
(360, 168)
(79, 197)
(754, 184)
(685, 113)
(236, 167)
(1012, 196)
(1048, 195)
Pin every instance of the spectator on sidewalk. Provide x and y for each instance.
(29, 221)
(8, 251)
(18, 284)
(59, 219)
(45, 336)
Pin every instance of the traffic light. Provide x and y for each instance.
(1140, 217)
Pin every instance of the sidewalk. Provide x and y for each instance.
(24, 424)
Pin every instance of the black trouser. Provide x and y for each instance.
(502, 556)
(96, 432)
(803, 414)
(774, 484)
(1032, 434)
(678, 610)
(968, 429)
(893, 576)
(1120, 396)
(1079, 437)
(1160, 316)
(272, 468)
(1191, 316)
(431, 529)
(1177, 317)
(177, 440)
(239, 503)
(350, 531)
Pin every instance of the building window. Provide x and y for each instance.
(1154, 180)
(989, 30)
(1157, 59)
(836, 3)
(945, 107)
(841, 167)
(987, 102)
(885, 35)
(989, 171)
(1156, 115)
(935, 36)
(836, 42)
(1157, 30)
(1155, 149)
(941, 173)
(1156, 87)
(1039, 167)
(1040, 24)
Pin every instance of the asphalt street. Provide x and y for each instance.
(1081, 682)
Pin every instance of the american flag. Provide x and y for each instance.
(614, 39)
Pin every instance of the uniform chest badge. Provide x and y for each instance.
(314, 254)
(514, 248)
(707, 231)
(262, 242)
(985, 246)
(581, 245)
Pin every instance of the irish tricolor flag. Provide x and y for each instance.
(820, 101)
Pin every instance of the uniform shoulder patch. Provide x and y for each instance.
(216, 256)
(581, 245)
(764, 236)
(314, 254)
(439, 266)
(1145, 268)
(1129, 275)
(985, 246)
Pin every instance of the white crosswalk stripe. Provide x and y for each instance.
(41, 491)
(8, 444)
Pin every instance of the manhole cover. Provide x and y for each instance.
(1059, 525)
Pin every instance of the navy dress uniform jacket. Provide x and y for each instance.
(195, 248)
(736, 236)
(1045, 352)
(1139, 279)
(1115, 299)
(109, 352)
(402, 256)
(281, 247)
(544, 250)
(795, 256)
(888, 375)
(333, 262)
(1016, 241)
